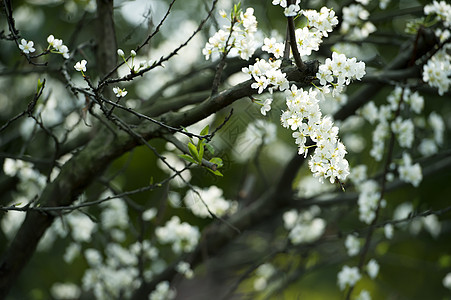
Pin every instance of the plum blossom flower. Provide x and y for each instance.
(292, 10)
(58, 46)
(282, 3)
(81, 66)
(447, 281)
(238, 40)
(348, 277)
(352, 244)
(372, 268)
(26, 46)
(119, 92)
(266, 106)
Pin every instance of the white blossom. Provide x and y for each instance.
(442, 9)
(65, 291)
(241, 39)
(182, 236)
(388, 231)
(292, 10)
(304, 226)
(119, 92)
(364, 295)
(409, 172)
(81, 66)
(162, 292)
(26, 46)
(348, 277)
(203, 201)
(149, 214)
(184, 268)
(368, 200)
(58, 46)
(82, 226)
(447, 281)
(352, 244)
(114, 213)
(372, 268)
(266, 106)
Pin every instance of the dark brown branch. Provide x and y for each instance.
(292, 39)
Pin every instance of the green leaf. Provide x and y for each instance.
(217, 173)
(210, 149)
(193, 150)
(40, 84)
(205, 130)
(188, 158)
(217, 161)
(200, 149)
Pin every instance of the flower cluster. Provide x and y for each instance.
(203, 201)
(65, 291)
(437, 71)
(372, 268)
(348, 277)
(309, 37)
(354, 22)
(271, 46)
(114, 214)
(364, 295)
(438, 126)
(322, 21)
(132, 66)
(116, 276)
(441, 9)
(352, 244)
(267, 74)
(184, 268)
(162, 291)
(307, 40)
(368, 200)
(30, 184)
(409, 172)
(182, 236)
(57, 46)
(304, 226)
(404, 129)
(239, 36)
(328, 159)
(342, 69)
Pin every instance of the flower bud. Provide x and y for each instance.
(133, 53)
(120, 52)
